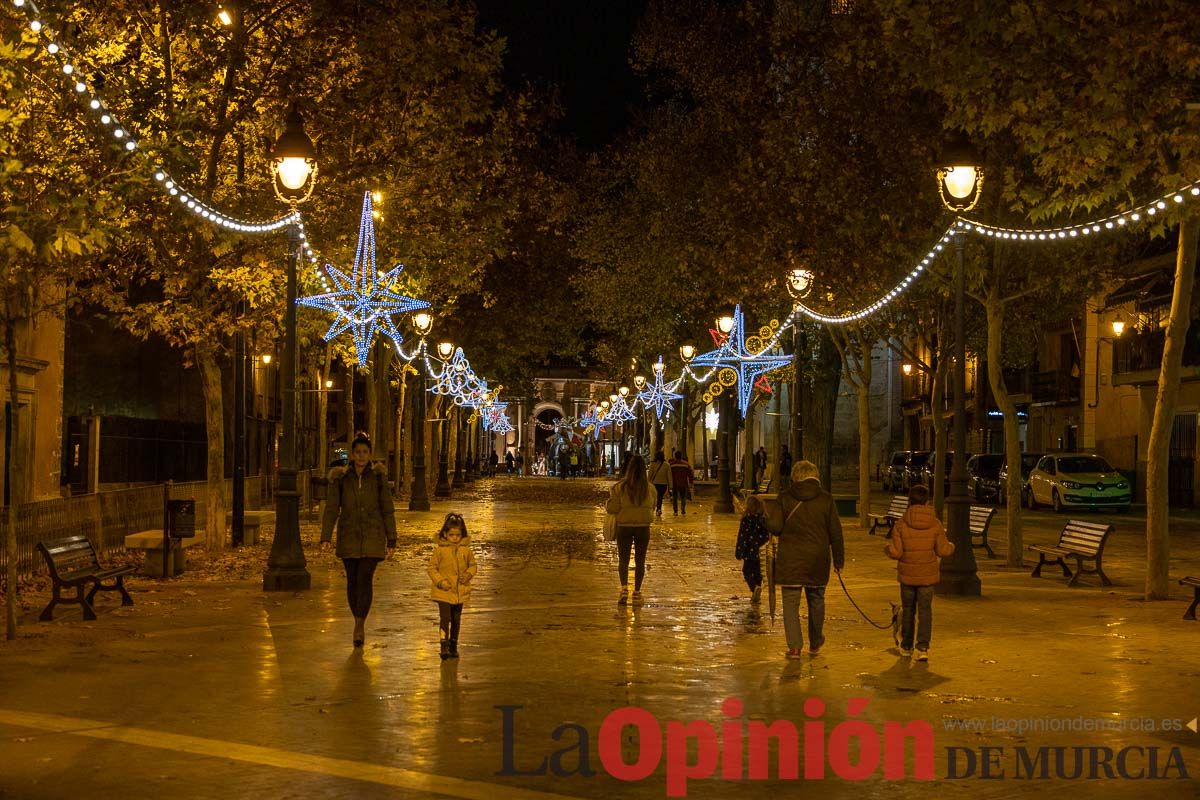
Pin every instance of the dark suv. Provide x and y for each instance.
(1028, 462)
(931, 465)
(893, 471)
(983, 477)
(914, 469)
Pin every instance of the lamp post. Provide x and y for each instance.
(1118, 328)
(724, 504)
(605, 405)
(445, 350)
(799, 284)
(686, 353)
(295, 162)
(960, 180)
(418, 497)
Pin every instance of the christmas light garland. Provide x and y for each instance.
(124, 136)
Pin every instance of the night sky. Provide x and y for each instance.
(581, 46)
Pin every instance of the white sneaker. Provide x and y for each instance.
(922, 655)
(906, 652)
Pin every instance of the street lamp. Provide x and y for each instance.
(907, 369)
(1118, 327)
(442, 489)
(639, 381)
(799, 284)
(960, 179)
(418, 497)
(725, 324)
(295, 171)
(687, 352)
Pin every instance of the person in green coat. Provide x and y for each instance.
(360, 503)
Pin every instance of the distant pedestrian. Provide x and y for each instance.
(564, 461)
(660, 478)
(918, 541)
(785, 466)
(810, 536)
(633, 502)
(508, 461)
(574, 462)
(760, 466)
(451, 568)
(752, 535)
(519, 464)
(359, 501)
(682, 481)
(493, 462)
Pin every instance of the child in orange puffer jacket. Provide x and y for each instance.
(918, 541)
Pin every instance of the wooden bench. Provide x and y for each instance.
(251, 521)
(72, 562)
(980, 522)
(1083, 541)
(1195, 584)
(152, 542)
(888, 519)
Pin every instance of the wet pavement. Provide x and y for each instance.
(208, 687)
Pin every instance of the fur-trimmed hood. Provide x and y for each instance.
(335, 473)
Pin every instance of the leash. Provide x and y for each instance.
(856, 608)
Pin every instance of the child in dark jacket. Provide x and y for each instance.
(752, 535)
(918, 541)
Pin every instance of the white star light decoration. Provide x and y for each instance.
(364, 301)
(733, 354)
(657, 396)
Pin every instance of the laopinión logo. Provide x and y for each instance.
(738, 749)
(741, 748)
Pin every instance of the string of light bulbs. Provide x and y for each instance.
(123, 134)
(1137, 214)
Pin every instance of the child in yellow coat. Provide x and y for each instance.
(451, 568)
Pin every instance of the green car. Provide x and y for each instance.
(1077, 480)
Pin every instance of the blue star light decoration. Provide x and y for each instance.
(657, 395)
(748, 366)
(620, 411)
(364, 301)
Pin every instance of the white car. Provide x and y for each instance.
(1078, 480)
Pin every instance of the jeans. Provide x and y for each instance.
(360, 577)
(916, 601)
(638, 539)
(449, 619)
(661, 488)
(816, 616)
(679, 500)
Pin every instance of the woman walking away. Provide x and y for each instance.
(452, 568)
(752, 535)
(360, 502)
(660, 476)
(633, 503)
(810, 536)
(918, 541)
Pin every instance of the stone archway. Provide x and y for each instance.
(545, 413)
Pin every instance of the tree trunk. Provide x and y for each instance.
(864, 433)
(323, 414)
(397, 465)
(372, 421)
(748, 448)
(1158, 543)
(409, 431)
(348, 410)
(820, 408)
(214, 416)
(937, 401)
(381, 372)
(1012, 434)
(10, 529)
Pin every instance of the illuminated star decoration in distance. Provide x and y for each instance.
(656, 395)
(733, 354)
(364, 301)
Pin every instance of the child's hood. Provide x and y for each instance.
(921, 517)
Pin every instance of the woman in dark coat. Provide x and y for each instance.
(810, 537)
(360, 502)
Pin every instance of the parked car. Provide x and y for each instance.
(893, 471)
(1078, 480)
(931, 465)
(983, 477)
(1028, 462)
(914, 469)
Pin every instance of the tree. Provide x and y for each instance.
(57, 209)
(1095, 94)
